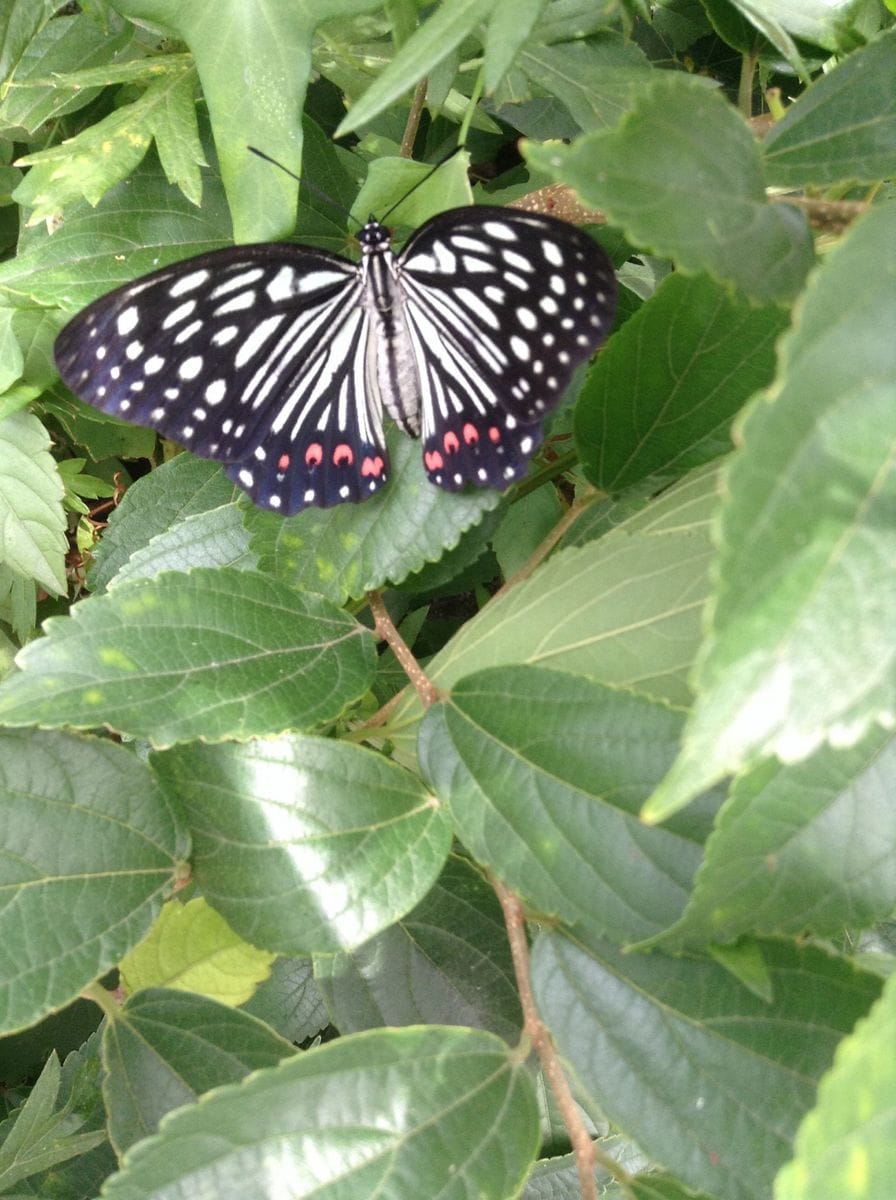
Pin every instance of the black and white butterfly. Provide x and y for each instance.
(278, 360)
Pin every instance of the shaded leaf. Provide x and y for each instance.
(88, 849)
(32, 521)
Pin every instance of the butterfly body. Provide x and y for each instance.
(278, 360)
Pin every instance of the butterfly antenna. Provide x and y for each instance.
(305, 183)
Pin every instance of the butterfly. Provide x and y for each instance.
(279, 360)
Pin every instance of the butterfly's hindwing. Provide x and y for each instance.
(277, 360)
(502, 307)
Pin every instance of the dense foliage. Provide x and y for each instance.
(260, 926)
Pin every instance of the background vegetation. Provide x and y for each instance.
(288, 887)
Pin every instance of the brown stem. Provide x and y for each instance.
(412, 124)
(385, 629)
(546, 545)
(585, 1152)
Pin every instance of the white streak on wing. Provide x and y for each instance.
(257, 338)
(187, 283)
(321, 371)
(179, 314)
(483, 311)
(232, 284)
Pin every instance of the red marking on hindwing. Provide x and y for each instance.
(471, 434)
(451, 442)
(314, 455)
(343, 455)
(372, 466)
(494, 433)
(283, 462)
(433, 460)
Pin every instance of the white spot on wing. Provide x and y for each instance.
(552, 253)
(188, 283)
(179, 314)
(127, 321)
(500, 231)
(190, 367)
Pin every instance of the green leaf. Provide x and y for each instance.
(89, 848)
(807, 537)
(843, 127)
(135, 228)
(624, 610)
(598, 80)
(306, 844)
(45, 86)
(847, 1145)
(510, 23)
(105, 153)
(290, 1001)
(351, 549)
(465, 1126)
(827, 23)
(41, 1137)
(254, 62)
(20, 20)
(661, 395)
(427, 46)
(453, 945)
(192, 948)
(217, 538)
(163, 1049)
(157, 505)
(656, 1043)
(787, 856)
(544, 773)
(213, 653)
(32, 521)
(682, 176)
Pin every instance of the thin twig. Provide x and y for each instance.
(546, 545)
(385, 629)
(412, 124)
(584, 1149)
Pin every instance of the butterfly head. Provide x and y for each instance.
(373, 236)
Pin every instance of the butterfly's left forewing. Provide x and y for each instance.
(501, 307)
(255, 356)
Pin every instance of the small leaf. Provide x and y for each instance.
(686, 150)
(465, 1126)
(306, 844)
(192, 948)
(88, 849)
(212, 653)
(163, 1049)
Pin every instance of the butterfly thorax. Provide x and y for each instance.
(390, 356)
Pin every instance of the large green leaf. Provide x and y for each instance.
(847, 1145)
(624, 609)
(306, 844)
(211, 653)
(396, 1114)
(88, 849)
(163, 1049)
(841, 128)
(662, 394)
(678, 1054)
(681, 174)
(544, 774)
(801, 645)
(254, 61)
